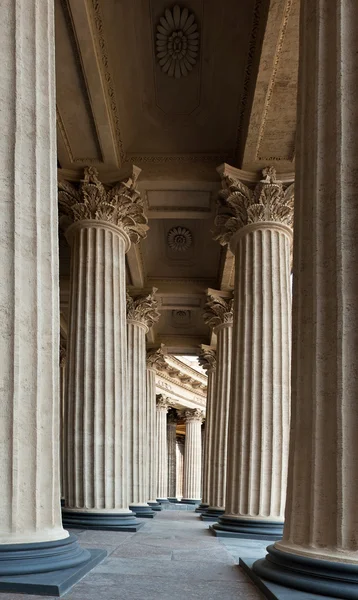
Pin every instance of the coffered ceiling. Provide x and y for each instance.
(230, 99)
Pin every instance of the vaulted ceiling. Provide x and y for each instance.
(232, 98)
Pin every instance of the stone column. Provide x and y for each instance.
(172, 420)
(318, 552)
(98, 419)
(62, 417)
(142, 313)
(180, 450)
(192, 457)
(219, 316)
(32, 539)
(258, 225)
(207, 359)
(154, 357)
(162, 449)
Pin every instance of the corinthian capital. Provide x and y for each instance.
(240, 206)
(162, 403)
(207, 358)
(143, 309)
(120, 205)
(218, 310)
(63, 353)
(194, 414)
(156, 357)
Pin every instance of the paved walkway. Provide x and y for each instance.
(173, 557)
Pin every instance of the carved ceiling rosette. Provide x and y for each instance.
(177, 42)
(156, 358)
(143, 309)
(121, 205)
(207, 358)
(194, 414)
(218, 311)
(240, 206)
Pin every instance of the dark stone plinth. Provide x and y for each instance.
(202, 507)
(51, 583)
(163, 500)
(189, 501)
(142, 512)
(18, 559)
(229, 526)
(106, 521)
(173, 500)
(155, 506)
(309, 575)
(212, 514)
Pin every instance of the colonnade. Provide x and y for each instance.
(246, 458)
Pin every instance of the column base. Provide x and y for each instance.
(46, 568)
(100, 520)
(142, 511)
(229, 526)
(163, 500)
(173, 500)
(155, 506)
(212, 513)
(202, 507)
(310, 575)
(190, 501)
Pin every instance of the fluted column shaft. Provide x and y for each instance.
(209, 423)
(180, 450)
(321, 513)
(162, 450)
(220, 418)
(62, 418)
(259, 411)
(192, 456)
(139, 440)
(97, 419)
(172, 459)
(151, 427)
(29, 306)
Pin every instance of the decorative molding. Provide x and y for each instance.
(177, 42)
(249, 68)
(143, 309)
(172, 375)
(103, 61)
(121, 205)
(207, 358)
(218, 311)
(179, 158)
(179, 239)
(194, 414)
(271, 88)
(240, 206)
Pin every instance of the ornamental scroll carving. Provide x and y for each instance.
(218, 311)
(143, 309)
(194, 414)
(240, 206)
(121, 205)
(207, 358)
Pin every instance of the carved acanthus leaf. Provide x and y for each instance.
(207, 358)
(240, 206)
(121, 205)
(156, 358)
(143, 309)
(218, 311)
(194, 414)
(162, 403)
